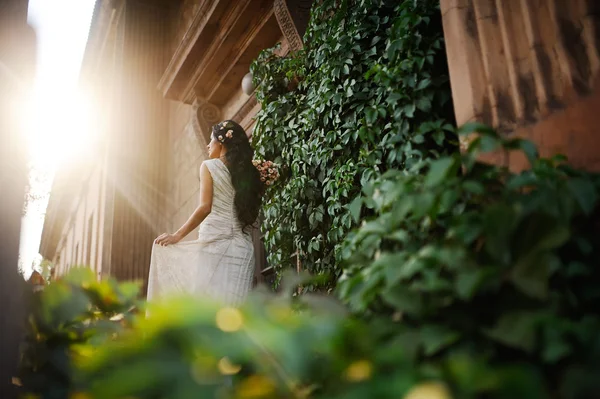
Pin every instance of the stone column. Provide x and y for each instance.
(17, 60)
(139, 140)
(530, 68)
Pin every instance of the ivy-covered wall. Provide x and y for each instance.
(368, 93)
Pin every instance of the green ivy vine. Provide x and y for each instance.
(368, 93)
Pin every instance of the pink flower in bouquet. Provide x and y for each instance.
(268, 171)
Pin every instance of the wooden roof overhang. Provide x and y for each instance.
(217, 50)
(223, 39)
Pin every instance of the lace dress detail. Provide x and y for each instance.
(219, 264)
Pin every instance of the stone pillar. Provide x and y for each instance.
(139, 140)
(530, 68)
(17, 60)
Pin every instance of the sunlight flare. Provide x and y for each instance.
(61, 128)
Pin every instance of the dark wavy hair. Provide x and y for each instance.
(244, 175)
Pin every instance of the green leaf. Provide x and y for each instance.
(424, 104)
(436, 338)
(559, 159)
(129, 290)
(555, 348)
(439, 137)
(409, 110)
(541, 232)
(499, 222)
(531, 274)
(522, 180)
(393, 49)
(469, 282)
(516, 330)
(409, 341)
(371, 115)
(80, 275)
(473, 187)
(530, 150)
(476, 127)
(404, 300)
(355, 207)
(585, 194)
(489, 143)
(423, 84)
(578, 269)
(440, 170)
(394, 97)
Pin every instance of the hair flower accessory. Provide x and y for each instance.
(268, 171)
(220, 138)
(229, 134)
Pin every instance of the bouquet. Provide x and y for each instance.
(268, 171)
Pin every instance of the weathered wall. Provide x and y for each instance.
(529, 68)
(188, 150)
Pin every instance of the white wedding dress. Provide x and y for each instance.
(219, 265)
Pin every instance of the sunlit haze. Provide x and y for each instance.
(59, 118)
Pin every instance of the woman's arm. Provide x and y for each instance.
(201, 212)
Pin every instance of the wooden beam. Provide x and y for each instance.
(236, 64)
(229, 45)
(196, 43)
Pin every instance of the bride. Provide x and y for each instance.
(220, 264)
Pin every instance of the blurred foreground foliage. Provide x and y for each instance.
(275, 346)
(69, 318)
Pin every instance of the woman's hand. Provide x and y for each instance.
(167, 239)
